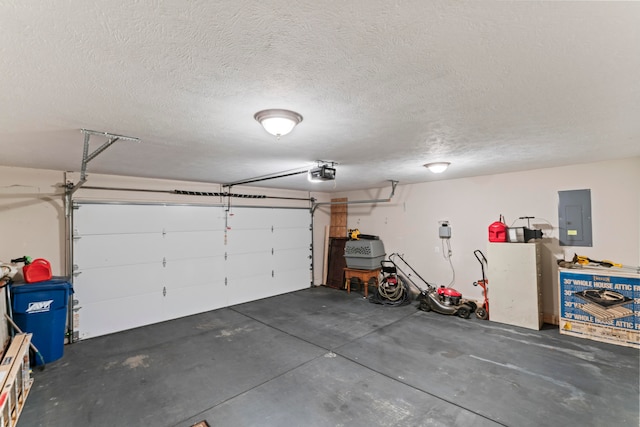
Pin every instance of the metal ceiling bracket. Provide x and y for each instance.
(87, 157)
(353, 202)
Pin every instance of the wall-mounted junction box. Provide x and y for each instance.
(445, 230)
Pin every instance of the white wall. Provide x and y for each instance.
(32, 220)
(32, 217)
(409, 223)
(32, 214)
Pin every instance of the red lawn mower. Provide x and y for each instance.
(441, 299)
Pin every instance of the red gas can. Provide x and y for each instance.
(38, 271)
(498, 231)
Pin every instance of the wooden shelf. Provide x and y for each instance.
(15, 376)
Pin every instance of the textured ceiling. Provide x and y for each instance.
(384, 86)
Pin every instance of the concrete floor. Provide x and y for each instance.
(322, 357)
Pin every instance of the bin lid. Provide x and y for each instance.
(59, 283)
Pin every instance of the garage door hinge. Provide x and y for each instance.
(271, 251)
(225, 281)
(164, 291)
(164, 262)
(272, 273)
(75, 271)
(225, 258)
(272, 228)
(164, 232)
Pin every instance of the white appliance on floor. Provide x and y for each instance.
(514, 275)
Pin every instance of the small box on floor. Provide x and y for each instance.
(601, 305)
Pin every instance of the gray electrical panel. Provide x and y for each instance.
(574, 218)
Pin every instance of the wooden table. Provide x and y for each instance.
(363, 275)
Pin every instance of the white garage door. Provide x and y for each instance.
(136, 265)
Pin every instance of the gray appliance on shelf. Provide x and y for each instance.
(364, 254)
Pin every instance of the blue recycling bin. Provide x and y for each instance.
(41, 309)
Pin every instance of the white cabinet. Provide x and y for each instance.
(514, 284)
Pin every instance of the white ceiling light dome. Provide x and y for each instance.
(278, 122)
(437, 167)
